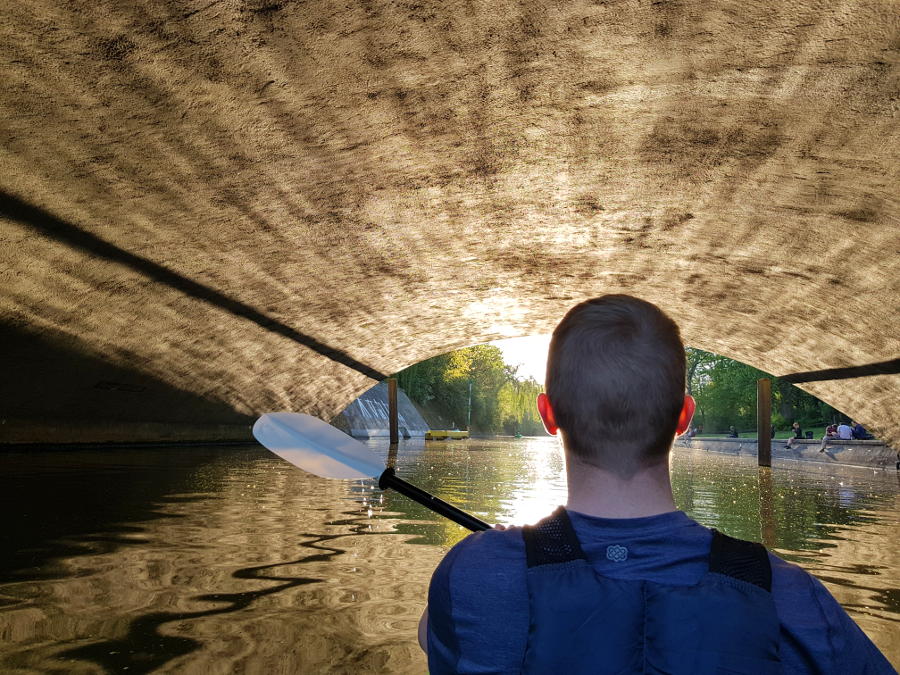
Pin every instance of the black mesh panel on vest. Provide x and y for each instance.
(744, 560)
(552, 540)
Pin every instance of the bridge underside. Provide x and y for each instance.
(216, 209)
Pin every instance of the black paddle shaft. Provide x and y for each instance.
(389, 479)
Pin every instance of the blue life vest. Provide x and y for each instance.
(583, 622)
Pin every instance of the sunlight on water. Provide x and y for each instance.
(221, 560)
(540, 487)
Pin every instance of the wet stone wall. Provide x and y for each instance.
(368, 415)
(874, 454)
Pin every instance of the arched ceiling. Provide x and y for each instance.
(213, 209)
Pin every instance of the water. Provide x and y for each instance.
(225, 559)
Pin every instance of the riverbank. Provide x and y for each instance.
(874, 454)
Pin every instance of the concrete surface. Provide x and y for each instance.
(368, 416)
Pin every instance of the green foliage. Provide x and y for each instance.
(423, 381)
(518, 407)
(474, 381)
(725, 391)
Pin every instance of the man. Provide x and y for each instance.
(845, 433)
(859, 432)
(796, 435)
(620, 581)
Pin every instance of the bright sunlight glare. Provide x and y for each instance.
(543, 487)
(529, 354)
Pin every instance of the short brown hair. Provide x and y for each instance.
(615, 379)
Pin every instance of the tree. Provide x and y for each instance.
(474, 387)
(463, 386)
(421, 381)
(697, 363)
(725, 391)
(518, 408)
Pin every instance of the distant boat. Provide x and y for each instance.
(445, 435)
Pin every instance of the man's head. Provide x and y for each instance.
(615, 384)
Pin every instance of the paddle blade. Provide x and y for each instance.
(316, 446)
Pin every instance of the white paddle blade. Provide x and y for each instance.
(316, 446)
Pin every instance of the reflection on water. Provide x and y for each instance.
(226, 559)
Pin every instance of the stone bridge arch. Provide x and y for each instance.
(214, 209)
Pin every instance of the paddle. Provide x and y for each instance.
(317, 447)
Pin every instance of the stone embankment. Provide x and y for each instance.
(875, 454)
(368, 416)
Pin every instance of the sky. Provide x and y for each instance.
(528, 353)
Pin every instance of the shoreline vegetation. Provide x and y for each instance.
(473, 388)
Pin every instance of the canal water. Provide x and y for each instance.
(227, 560)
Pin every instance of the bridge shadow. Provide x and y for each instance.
(51, 380)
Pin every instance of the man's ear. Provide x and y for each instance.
(687, 412)
(546, 412)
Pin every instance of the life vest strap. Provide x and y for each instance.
(739, 559)
(553, 541)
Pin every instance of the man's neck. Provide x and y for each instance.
(596, 492)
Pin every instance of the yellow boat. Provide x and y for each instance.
(443, 435)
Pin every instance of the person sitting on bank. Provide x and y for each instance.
(859, 432)
(796, 433)
(618, 580)
(732, 432)
(842, 432)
